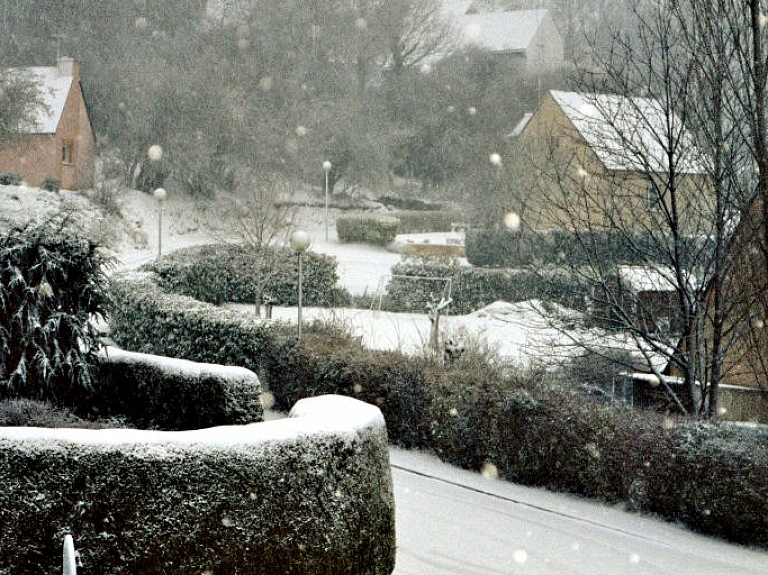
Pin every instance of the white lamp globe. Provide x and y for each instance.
(327, 165)
(160, 194)
(300, 241)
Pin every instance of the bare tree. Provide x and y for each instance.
(258, 217)
(20, 103)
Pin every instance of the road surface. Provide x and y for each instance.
(451, 521)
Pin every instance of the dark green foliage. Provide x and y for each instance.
(149, 393)
(506, 248)
(228, 273)
(51, 283)
(420, 221)
(10, 179)
(473, 288)
(157, 509)
(51, 184)
(712, 478)
(29, 413)
(367, 229)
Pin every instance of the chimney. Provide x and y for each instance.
(68, 67)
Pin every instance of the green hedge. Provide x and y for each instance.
(506, 248)
(419, 221)
(367, 229)
(301, 495)
(147, 319)
(229, 273)
(473, 288)
(157, 392)
(712, 478)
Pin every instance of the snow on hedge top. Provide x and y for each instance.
(632, 134)
(179, 366)
(311, 418)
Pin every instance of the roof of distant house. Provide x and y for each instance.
(632, 134)
(54, 88)
(501, 31)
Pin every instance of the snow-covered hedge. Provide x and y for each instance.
(306, 495)
(367, 229)
(161, 392)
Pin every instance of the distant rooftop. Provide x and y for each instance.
(631, 134)
(54, 83)
(501, 31)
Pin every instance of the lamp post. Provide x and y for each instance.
(300, 244)
(160, 196)
(326, 169)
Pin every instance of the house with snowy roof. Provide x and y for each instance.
(527, 39)
(58, 142)
(598, 161)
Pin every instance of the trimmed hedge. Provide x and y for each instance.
(149, 320)
(367, 229)
(158, 392)
(712, 478)
(307, 495)
(474, 288)
(419, 221)
(506, 248)
(227, 273)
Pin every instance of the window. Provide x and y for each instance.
(67, 152)
(653, 198)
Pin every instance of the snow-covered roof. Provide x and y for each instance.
(520, 125)
(657, 278)
(631, 134)
(54, 88)
(500, 31)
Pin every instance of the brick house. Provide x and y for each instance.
(59, 142)
(597, 161)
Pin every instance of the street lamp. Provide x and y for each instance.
(160, 196)
(326, 169)
(300, 244)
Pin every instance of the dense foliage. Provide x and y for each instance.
(51, 284)
(372, 229)
(230, 273)
(711, 477)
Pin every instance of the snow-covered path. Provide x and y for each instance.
(451, 521)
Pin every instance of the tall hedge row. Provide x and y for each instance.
(713, 478)
(374, 229)
(507, 248)
(231, 273)
(413, 284)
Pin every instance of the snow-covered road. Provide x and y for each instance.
(451, 521)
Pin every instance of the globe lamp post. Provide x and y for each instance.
(160, 195)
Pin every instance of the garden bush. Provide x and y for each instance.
(713, 478)
(51, 184)
(230, 273)
(419, 221)
(473, 288)
(508, 248)
(156, 392)
(372, 229)
(10, 179)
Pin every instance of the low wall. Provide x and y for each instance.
(311, 494)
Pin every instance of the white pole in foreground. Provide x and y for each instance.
(300, 244)
(70, 557)
(160, 196)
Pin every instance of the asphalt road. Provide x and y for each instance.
(454, 522)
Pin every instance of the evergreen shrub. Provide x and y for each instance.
(506, 248)
(473, 288)
(10, 179)
(420, 221)
(51, 184)
(367, 229)
(230, 273)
